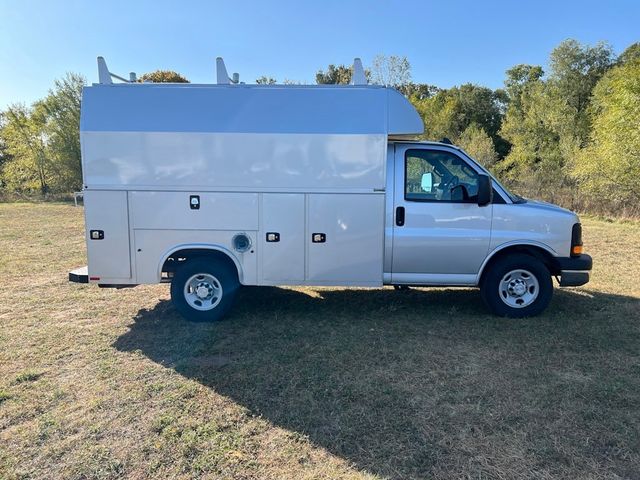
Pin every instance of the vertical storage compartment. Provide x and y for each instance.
(282, 238)
(107, 232)
(345, 239)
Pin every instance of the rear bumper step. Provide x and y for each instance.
(79, 275)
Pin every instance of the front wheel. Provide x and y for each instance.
(203, 290)
(517, 286)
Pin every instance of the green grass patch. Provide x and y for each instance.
(4, 396)
(28, 376)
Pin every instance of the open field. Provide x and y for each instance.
(311, 383)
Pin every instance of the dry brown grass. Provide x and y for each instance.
(311, 383)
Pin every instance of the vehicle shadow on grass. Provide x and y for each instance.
(402, 384)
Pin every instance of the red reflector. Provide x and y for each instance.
(94, 278)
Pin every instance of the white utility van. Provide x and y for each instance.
(209, 187)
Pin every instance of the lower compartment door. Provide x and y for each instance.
(345, 239)
(107, 223)
(282, 239)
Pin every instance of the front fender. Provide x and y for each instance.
(511, 244)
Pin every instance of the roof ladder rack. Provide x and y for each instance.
(105, 76)
(358, 77)
(222, 77)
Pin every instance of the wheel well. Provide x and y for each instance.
(537, 252)
(180, 257)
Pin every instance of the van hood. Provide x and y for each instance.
(547, 207)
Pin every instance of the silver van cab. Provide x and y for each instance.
(450, 222)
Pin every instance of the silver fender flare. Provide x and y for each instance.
(513, 243)
(201, 246)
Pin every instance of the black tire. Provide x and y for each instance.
(492, 292)
(210, 271)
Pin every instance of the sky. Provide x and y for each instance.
(447, 42)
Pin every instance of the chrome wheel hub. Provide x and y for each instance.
(203, 291)
(519, 288)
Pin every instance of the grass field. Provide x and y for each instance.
(311, 383)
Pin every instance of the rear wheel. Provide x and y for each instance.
(517, 286)
(203, 290)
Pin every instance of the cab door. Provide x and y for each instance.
(440, 234)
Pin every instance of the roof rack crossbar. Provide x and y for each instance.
(105, 76)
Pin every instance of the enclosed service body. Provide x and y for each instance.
(257, 159)
(301, 185)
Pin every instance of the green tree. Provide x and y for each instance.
(42, 142)
(5, 157)
(609, 167)
(29, 168)
(519, 79)
(475, 141)
(62, 129)
(334, 75)
(631, 53)
(451, 111)
(575, 70)
(532, 141)
(163, 76)
(418, 91)
(547, 120)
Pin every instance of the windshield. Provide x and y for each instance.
(512, 196)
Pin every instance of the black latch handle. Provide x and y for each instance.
(318, 237)
(400, 216)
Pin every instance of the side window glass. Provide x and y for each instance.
(439, 176)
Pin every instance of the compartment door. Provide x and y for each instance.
(106, 212)
(282, 239)
(349, 249)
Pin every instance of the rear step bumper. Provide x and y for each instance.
(79, 275)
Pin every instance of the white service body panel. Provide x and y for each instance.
(291, 160)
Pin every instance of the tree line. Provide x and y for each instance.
(570, 135)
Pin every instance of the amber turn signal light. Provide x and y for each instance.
(576, 250)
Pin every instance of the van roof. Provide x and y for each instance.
(263, 109)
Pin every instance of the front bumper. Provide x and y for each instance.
(574, 271)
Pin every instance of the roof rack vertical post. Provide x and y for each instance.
(103, 72)
(222, 77)
(358, 76)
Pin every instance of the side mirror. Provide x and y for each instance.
(485, 190)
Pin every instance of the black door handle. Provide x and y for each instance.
(400, 216)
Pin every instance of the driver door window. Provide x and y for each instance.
(439, 176)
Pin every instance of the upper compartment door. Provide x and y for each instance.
(345, 239)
